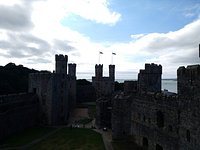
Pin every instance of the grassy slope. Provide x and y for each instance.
(26, 136)
(72, 139)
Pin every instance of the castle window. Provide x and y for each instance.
(170, 128)
(158, 147)
(139, 116)
(177, 131)
(160, 119)
(179, 113)
(188, 135)
(62, 84)
(149, 120)
(34, 90)
(145, 142)
(43, 101)
(144, 118)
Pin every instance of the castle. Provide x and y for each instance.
(157, 120)
(154, 119)
(50, 99)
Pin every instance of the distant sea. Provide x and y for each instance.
(168, 84)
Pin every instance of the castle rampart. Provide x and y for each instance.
(17, 112)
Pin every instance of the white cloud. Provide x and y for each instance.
(170, 49)
(137, 36)
(94, 10)
(36, 47)
(10, 2)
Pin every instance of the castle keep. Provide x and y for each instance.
(104, 87)
(56, 91)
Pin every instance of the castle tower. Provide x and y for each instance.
(61, 64)
(149, 80)
(72, 70)
(188, 81)
(98, 71)
(112, 72)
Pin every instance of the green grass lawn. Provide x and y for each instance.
(63, 139)
(72, 139)
(25, 137)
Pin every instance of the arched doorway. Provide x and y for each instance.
(160, 119)
(145, 142)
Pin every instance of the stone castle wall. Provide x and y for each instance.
(104, 86)
(121, 117)
(189, 96)
(103, 112)
(162, 120)
(154, 121)
(17, 112)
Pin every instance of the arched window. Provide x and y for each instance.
(188, 135)
(160, 119)
(145, 142)
(170, 128)
(158, 147)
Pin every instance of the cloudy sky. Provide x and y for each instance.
(165, 32)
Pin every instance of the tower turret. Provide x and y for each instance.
(98, 71)
(112, 72)
(149, 80)
(72, 70)
(61, 64)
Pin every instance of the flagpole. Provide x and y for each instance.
(112, 58)
(100, 55)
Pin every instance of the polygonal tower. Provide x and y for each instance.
(61, 64)
(72, 70)
(112, 72)
(98, 71)
(149, 80)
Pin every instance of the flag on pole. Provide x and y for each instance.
(100, 52)
(113, 53)
(199, 50)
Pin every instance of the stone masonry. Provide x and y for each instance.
(160, 121)
(56, 92)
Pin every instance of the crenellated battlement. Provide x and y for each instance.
(159, 99)
(149, 79)
(188, 80)
(72, 69)
(152, 68)
(61, 64)
(191, 71)
(61, 57)
(99, 70)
